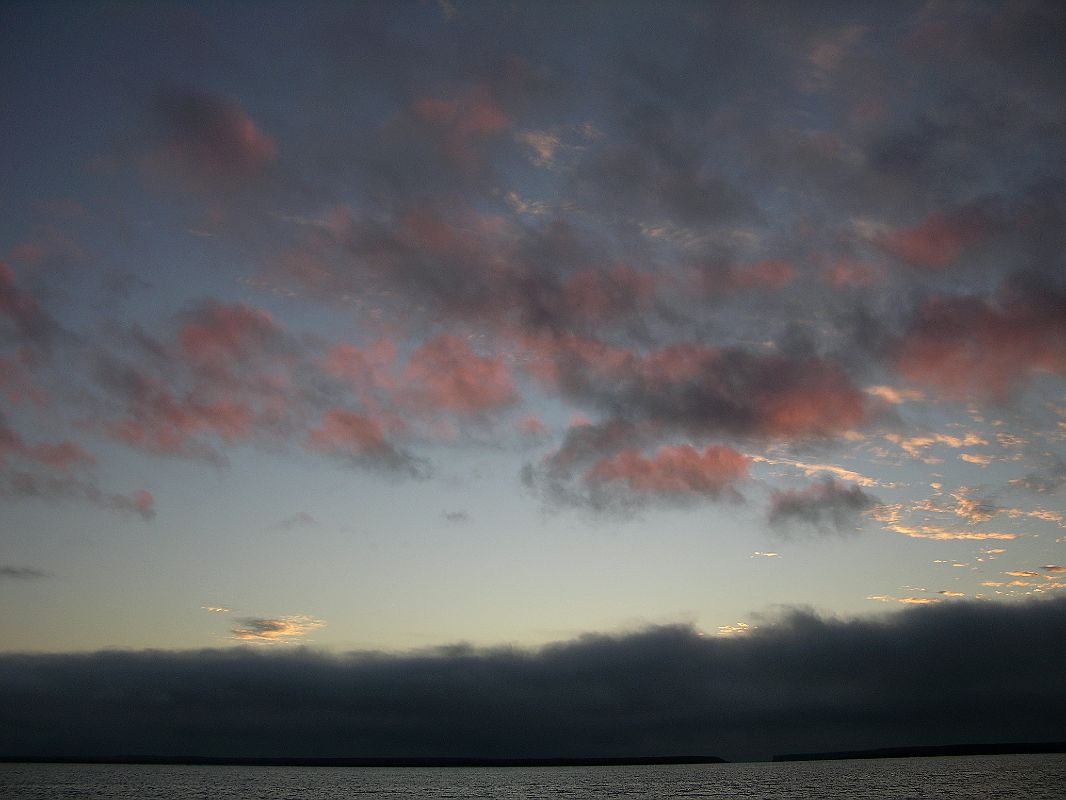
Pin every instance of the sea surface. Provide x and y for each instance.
(1032, 777)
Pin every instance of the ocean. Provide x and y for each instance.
(1028, 777)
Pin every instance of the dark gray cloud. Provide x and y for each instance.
(1047, 481)
(828, 506)
(300, 519)
(207, 140)
(9, 572)
(959, 672)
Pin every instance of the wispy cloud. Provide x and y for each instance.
(300, 519)
(10, 572)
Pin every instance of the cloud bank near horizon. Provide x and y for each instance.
(964, 672)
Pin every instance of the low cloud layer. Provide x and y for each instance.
(958, 672)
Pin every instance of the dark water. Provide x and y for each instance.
(1032, 777)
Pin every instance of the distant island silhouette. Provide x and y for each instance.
(983, 749)
(1019, 748)
(368, 762)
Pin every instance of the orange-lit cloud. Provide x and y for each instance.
(734, 629)
(915, 446)
(811, 470)
(273, 630)
(894, 396)
(914, 601)
(932, 532)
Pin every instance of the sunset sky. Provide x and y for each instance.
(384, 326)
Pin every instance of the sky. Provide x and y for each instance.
(458, 332)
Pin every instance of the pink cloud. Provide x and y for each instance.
(21, 308)
(222, 334)
(60, 456)
(444, 374)
(360, 439)
(966, 345)
(818, 400)
(347, 433)
(530, 425)
(474, 113)
(18, 385)
(367, 369)
(459, 123)
(938, 241)
(764, 275)
(845, 273)
(703, 389)
(605, 295)
(674, 471)
(159, 422)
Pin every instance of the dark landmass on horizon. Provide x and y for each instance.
(371, 762)
(930, 751)
(1013, 748)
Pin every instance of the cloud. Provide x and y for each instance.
(945, 535)
(672, 473)
(271, 630)
(32, 324)
(62, 456)
(938, 241)
(206, 140)
(360, 440)
(59, 471)
(19, 484)
(9, 572)
(444, 375)
(814, 469)
(846, 273)
(971, 347)
(228, 373)
(216, 335)
(456, 517)
(763, 275)
(922, 675)
(1047, 481)
(704, 390)
(300, 519)
(826, 506)
(915, 446)
(894, 396)
(907, 601)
